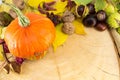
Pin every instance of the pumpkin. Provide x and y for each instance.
(29, 35)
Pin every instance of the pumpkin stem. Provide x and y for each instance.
(22, 20)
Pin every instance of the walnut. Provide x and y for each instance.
(19, 3)
(68, 16)
(12, 13)
(68, 28)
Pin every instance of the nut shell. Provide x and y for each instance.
(19, 3)
(12, 13)
(68, 16)
(68, 28)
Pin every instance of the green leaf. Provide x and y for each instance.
(79, 27)
(100, 5)
(60, 37)
(118, 30)
(84, 2)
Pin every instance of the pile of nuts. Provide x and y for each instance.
(93, 18)
(67, 19)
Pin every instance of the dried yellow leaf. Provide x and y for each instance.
(35, 3)
(1, 52)
(79, 27)
(1, 48)
(60, 37)
(59, 5)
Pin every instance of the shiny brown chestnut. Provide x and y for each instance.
(90, 21)
(91, 8)
(101, 26)
(101, 15)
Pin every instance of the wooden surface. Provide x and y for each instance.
(89, 57)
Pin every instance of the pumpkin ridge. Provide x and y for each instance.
(45, 19)
(11, 38)
(38, 49)
(45, 26)
(41, 40)
(35, 21)
(12, 43)
(42, 35)
(23, 39)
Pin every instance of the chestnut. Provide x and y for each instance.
(101, 15)
(80, 10)
(101, 26)
(91, 8)
(90, 21)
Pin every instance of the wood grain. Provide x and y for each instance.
(82, 57)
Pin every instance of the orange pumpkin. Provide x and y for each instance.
(28, 41)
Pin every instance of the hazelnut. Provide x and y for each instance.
(68, 28)
(12, 13)
(68, 16)
(19, 3)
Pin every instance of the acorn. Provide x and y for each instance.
(5, 18)
(114, 20)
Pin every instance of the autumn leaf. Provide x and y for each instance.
(1, 51)
(2, 32)
(60, 37)
(100, 5)
(118, 30)
(1, 48)
(35, 3)
(84, 2)
(79, 27)
(59, 5)
(4, 7)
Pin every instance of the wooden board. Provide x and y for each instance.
(82, 57)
